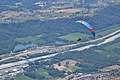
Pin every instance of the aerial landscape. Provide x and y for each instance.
(59, 39)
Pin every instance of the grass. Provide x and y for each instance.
(108, 30)
(104, 53)
(28, 39)
(56, 15)
(73, 68)
(60, 14)
(39, 41)
(113, 46)
(38, 72)
(26, 18)
(41, 72)
(103, 32)
(23, 77)
(73, 36)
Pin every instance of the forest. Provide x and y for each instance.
(88, 61)
(50, 29)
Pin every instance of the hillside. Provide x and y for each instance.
(98, 58)
(38, 40)
(13, 34)
(93, 63)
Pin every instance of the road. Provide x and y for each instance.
(109, 38)
(93, 45)
(46, 49)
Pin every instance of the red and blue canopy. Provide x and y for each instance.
(88, 26)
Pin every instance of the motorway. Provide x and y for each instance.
(66, 48)
(50, 49)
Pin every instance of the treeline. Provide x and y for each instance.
(89, 61)
(92, 59)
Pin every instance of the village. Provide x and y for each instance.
(48, 10)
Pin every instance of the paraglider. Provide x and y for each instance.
(88, 26)
(79, 39)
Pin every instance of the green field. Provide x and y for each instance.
(103, 32)
(113, 46)
(104, 53)
(41, 72)
(28, 39)
(108, 30)
(56, 15)
(38, 41)
(73, 36)
(38, 72)
(26, 18)
(23, 77)
(73, 68)
(60, 14)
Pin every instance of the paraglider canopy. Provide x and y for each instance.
(88, 26)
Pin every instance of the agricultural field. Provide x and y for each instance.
(108, 30)
(73, 36)
(112, 46)
(28, 39)
(23, 77)
(41, 72)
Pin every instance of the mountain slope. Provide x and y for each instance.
(9, 32)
